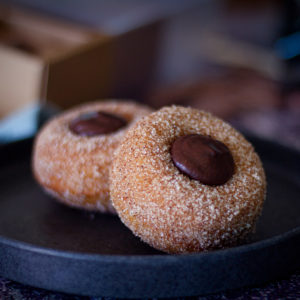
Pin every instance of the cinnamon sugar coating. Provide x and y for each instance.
(75, 169)
(167, 209)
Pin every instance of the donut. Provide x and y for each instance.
(72, 153)
(185, 181)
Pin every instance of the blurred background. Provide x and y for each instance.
(238, 59)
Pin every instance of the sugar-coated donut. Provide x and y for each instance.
(73, 152)
(169, 209)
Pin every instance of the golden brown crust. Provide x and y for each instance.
(167, 209)
(74, 169)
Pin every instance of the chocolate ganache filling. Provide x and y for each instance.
(96, 123)
(203, 158)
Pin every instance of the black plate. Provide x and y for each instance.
(48, 245)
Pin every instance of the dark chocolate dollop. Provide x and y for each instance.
(96, 123)
(203, 158)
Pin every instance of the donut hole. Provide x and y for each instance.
(171, 211)
(74, 168)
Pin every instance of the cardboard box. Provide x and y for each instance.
(47, 59)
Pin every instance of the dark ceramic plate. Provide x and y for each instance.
(48, 245)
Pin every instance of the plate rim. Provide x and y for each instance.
(120, 257)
